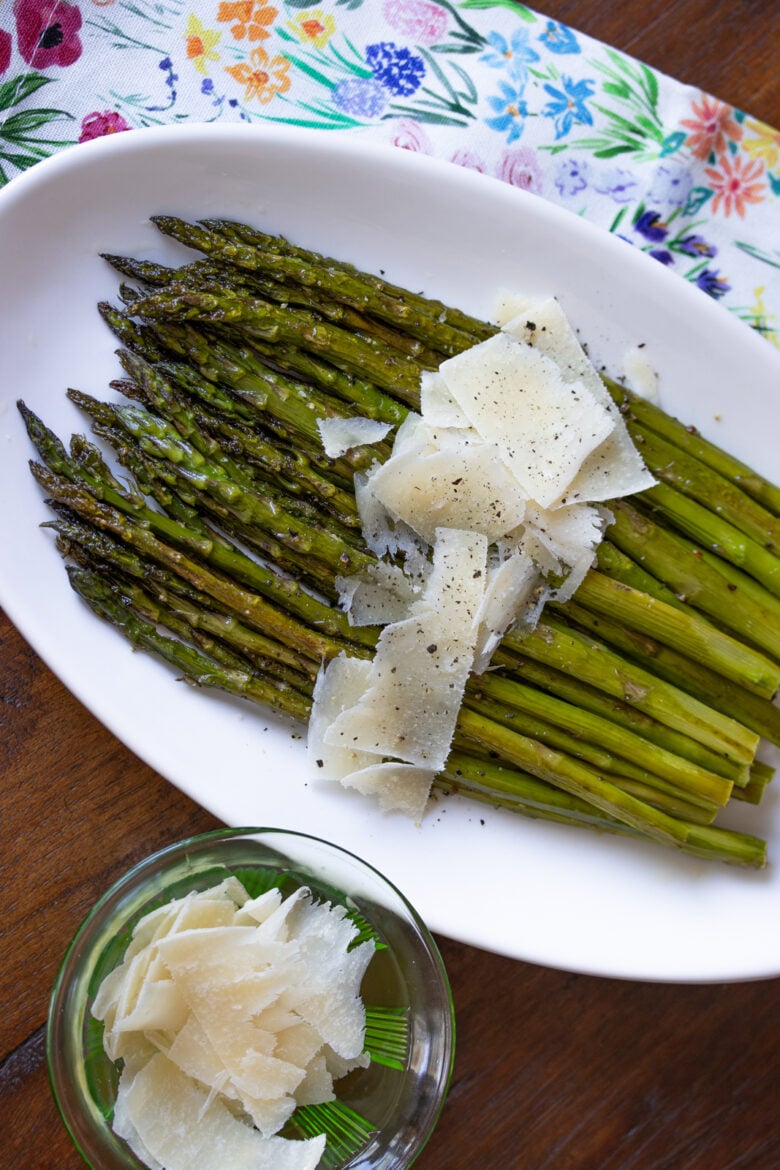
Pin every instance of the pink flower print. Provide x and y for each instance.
(410, 135)
(5, 50)
(419, 21)
(97, 125)
(47, 32)
(470, 160)
(520, 167)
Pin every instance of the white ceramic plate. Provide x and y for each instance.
(561, 897)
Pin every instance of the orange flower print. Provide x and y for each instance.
(763, 142)
(264, 78)
(314, 26)
(201, 43)
(712, 127)
(736, 184)
(248, 18)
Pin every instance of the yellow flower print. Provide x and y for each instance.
(763, 142)
(759, 319)
(248, 19)
(264, 78)
(314, 26)
(201, 43)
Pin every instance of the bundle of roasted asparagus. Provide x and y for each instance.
(636, 707)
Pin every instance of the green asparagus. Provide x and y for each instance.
(635, 708)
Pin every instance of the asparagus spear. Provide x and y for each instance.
(679, 564)
(590, 698)
(194, 665)
(712, 532)
(594, 730)
(760, 715)
(424, 305)
(692, 636)
(689, 440)
(110, 509)
(157, 598)
(693, 478)
(555, 644)
(197, 422)
(362, 356)
(492, 783)
(343, 286)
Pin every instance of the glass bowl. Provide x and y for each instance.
(395, 1102)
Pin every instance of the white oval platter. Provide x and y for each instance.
(541, 893)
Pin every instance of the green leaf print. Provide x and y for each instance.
(20, 144)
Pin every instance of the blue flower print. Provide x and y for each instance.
(618, 183)
(559, 38)
(398, 69)
(671, 185)
(568, 105)
(360, 97)
(208, 90)
(694, 245)
(663, 255)
(571, 176)
(510, 110)
(515, 55)
(713, 283)
(651, 227)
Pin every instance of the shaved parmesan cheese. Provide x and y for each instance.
(340, 435)
(225, 1025)
(640, 374)
(518, 398)
(615, 467)
(339, 685)
(465, 486)
(486, 509)
(437, 406)
(398, 787)
(569, 537)
(168, 1116)
(421, 664)
(510, 586)
(382, 535)
(383, 594)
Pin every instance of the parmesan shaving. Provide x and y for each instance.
(517, 397)
(564, 540)
(437, 405)
(340, 435)
(640, 375)
(419, 671)
(398, 787)
(224, 1025)
(383, 594)
(465, 485)
(615, 468)
(510, 586)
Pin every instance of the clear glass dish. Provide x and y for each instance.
(395, 1102)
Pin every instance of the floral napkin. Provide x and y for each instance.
(485, 84)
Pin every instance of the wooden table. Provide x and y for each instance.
(554, 1071)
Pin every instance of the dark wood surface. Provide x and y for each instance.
(554, 1071)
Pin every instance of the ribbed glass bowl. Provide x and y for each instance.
(398, 1098)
